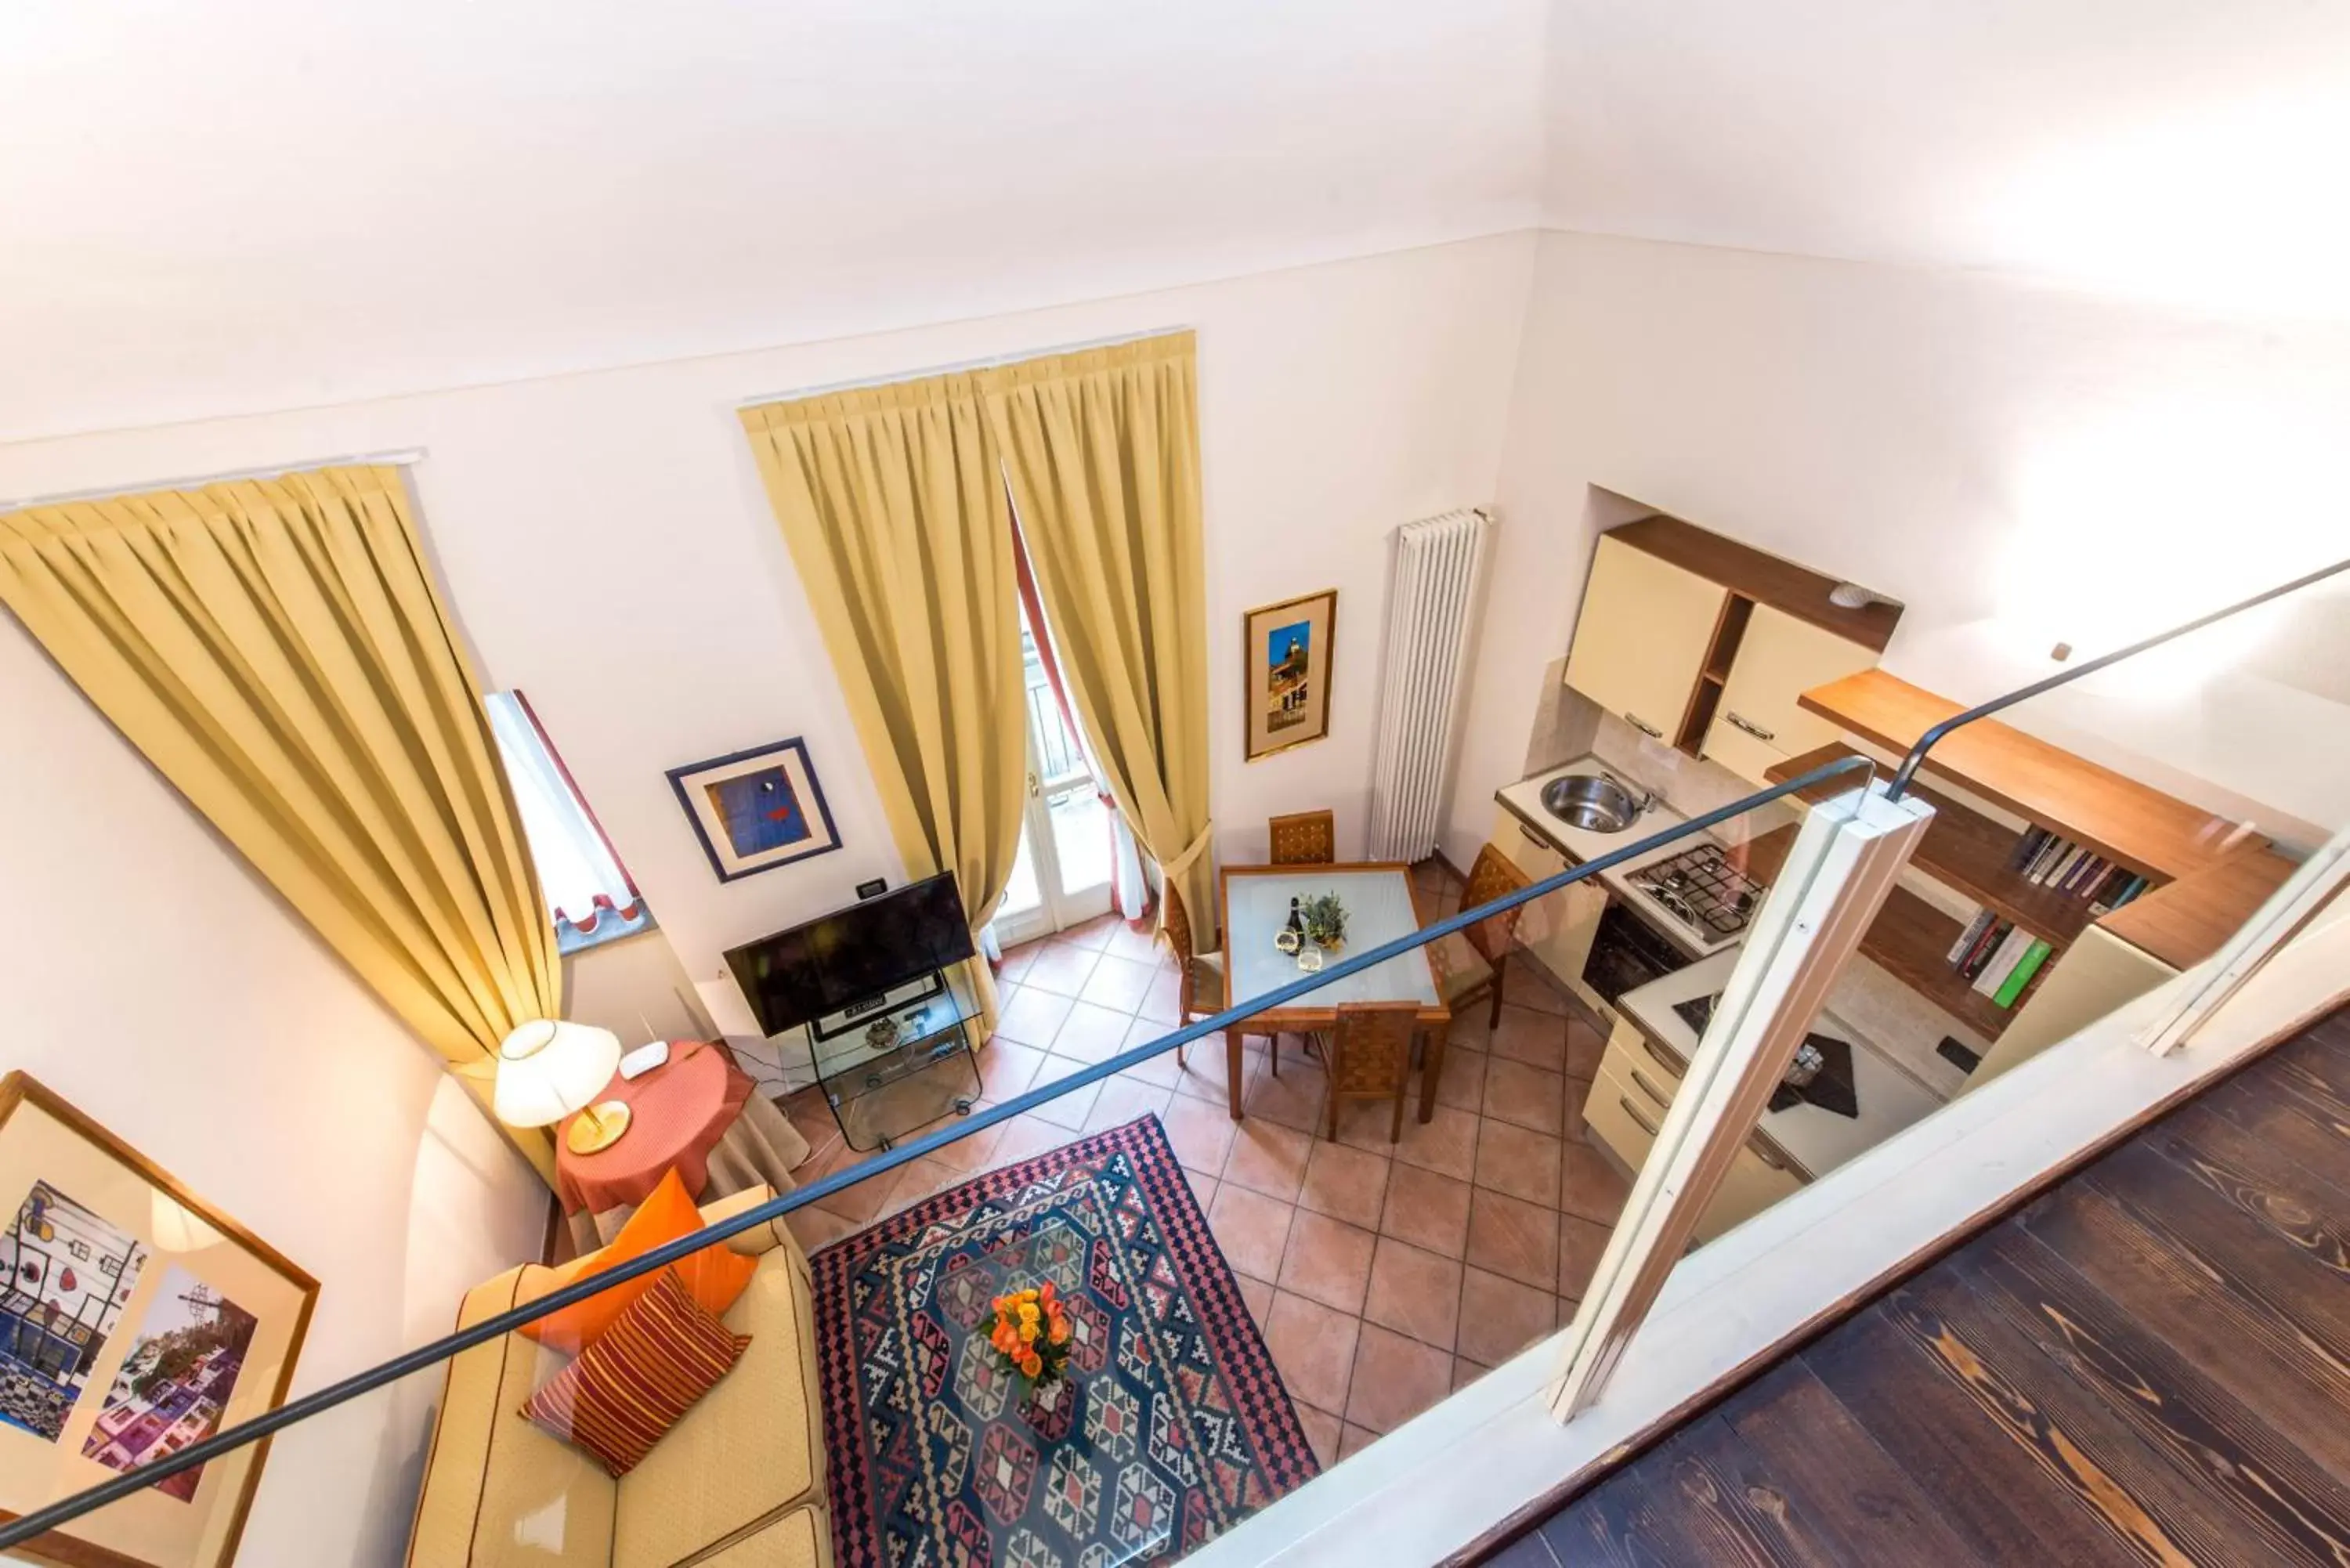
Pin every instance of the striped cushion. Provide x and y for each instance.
(638, 1379)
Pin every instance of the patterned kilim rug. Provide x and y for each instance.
(1172, 1427)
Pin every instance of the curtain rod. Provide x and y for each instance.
(405, 457)
(961, 369)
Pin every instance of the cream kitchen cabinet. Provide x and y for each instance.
(1557, 930)
(1641, 640)
(1627, 1106)
(1706, 643)
(1758, 723)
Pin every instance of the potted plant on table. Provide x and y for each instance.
(1032, 1334)
(1325, 919)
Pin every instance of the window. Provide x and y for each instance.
(589, 893)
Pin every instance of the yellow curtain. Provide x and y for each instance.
(1102, 453)
(277, 650)
(892, 503)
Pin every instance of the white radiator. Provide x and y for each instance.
(1428, 611)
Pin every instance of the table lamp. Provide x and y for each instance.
(547, 1069)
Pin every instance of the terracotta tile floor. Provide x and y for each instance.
(1383, 1276)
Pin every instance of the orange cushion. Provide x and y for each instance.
(634, 1384)
(714, 1276)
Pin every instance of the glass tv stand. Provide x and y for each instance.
(890, 1070)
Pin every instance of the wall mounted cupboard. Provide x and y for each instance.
(1707, 644)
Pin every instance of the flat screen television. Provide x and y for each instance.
(799, 975)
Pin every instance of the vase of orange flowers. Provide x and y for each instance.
(1032, 1334)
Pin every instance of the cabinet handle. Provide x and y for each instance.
(1650, 1089)
(1642, 725)
(1751, 727)
(1643, 1123)
(1658, 1052)
(1765, 1155)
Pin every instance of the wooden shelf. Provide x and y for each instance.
(2186, 922)
(2210, 873)
(1965, 849)
(1757, 575)
(2113, 815)
(1910, 939)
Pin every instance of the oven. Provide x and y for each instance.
(1627, 953)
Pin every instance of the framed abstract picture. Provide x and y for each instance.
(756, 810)
(135, 1320)
(1289, 648)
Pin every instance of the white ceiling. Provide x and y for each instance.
(238, 204)
(243, 204)
(2189, 151)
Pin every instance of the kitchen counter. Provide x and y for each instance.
(1816, 1141)
(1523, 800)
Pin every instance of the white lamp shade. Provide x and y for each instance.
(548, 1068)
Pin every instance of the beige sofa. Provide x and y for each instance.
(739, 1484)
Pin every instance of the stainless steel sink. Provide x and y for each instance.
(1591, 802)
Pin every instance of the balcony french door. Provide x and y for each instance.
(1063, 874)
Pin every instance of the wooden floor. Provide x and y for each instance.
(2149, 1363)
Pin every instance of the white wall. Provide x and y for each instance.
(2019, 463)
(154, 981)
(437, 193)
(2160, 150)
(608, 549)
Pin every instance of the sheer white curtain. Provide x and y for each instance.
(576, 868)
(1125, 865)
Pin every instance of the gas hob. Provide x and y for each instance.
(1702, 889)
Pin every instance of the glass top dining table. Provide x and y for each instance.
(1381, 905)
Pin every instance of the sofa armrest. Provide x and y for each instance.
(751, 1243)
(496, 1490)
(759, 1238)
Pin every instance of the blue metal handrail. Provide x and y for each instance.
(21, 1530)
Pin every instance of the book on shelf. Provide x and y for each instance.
(1998, 958)
(2027, 848)
(2002, 960)
(2021, 975)
(1974, 930)
(2048, 860)
(1978, 952)
(1982, 932)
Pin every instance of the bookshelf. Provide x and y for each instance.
(1967, 850)
(1909, 939)
(2120, 818)
(2205, 874)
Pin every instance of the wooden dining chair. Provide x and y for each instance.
(1305, 838)
(1369, 1057)
(1199, 990)
(1471, 963)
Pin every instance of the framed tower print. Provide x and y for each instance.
(1288, 668)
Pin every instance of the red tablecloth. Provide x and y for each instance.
(679, 1112)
